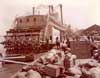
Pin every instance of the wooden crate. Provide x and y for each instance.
(52, 70)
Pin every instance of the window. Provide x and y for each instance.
(20, 20)
(34, 19)
(27, 19)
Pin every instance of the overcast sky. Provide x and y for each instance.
(78, 13)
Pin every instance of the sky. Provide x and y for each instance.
(78, 13)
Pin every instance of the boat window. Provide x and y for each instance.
(20, 20)
(34, 19)
(27, 19)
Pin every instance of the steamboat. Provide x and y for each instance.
(31, 33)
(37, 33)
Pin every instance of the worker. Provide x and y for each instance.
(68, 50)
(94, 47)
(66, 62)
(73, 60)
(68, 42)
(59, 58)
(63, 45)
(57, 43)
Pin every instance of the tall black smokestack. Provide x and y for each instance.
(61, 13)
(33, 9)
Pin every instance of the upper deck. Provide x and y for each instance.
(32, 21)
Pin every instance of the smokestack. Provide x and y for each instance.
(61, 13)
(33, 10)
(52, 8)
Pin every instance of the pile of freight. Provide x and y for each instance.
(60, 63)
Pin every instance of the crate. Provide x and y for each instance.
(52, 70)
